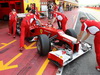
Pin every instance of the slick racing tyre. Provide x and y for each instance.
(71, 32)
(43, 45)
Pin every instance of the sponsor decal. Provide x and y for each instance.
(47, 31)
(67, 40)
(60, 57)
(63, 52)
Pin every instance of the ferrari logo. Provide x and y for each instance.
(41, 31)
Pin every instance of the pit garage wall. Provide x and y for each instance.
(26, 2)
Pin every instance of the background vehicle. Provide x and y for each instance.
(7, 6)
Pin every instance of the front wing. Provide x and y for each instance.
(60, 57)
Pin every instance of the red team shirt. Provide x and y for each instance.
(29, 18)
(91, 26)
(12, 16)
(55, 8)
(59, 16)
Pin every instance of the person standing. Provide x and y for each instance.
(50, 8)
(60, 9)
(61, 20)
(28, 8)
(12, 22)
(55, 7)
(36, 10)
(91, 27)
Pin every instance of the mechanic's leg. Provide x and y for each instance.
(48, 14)
(22, 37)
(28, 32)
(59, 25)
(97, 49)
(64, 25)
(14, 29)
(10, 27)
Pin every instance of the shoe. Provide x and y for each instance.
(14, 36)
(98, 68)
(21, 49)
(9, 33)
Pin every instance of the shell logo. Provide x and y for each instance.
(60, 57)
(41, 31)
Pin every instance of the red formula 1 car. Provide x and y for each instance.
(64, 42)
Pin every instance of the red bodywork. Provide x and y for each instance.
(60, 35)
